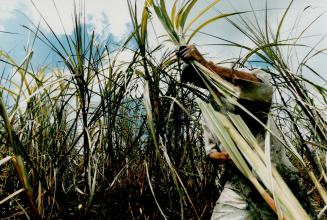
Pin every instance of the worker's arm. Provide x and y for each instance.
(191, 53)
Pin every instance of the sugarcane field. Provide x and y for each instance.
(163, 109)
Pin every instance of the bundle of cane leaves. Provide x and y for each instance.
(292, 85)
(237, 139)
(247, 158)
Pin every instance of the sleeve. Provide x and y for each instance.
(256, 91)
(189, 75)
(262, 75)
(209, 141)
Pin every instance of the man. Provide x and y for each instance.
(239, 199)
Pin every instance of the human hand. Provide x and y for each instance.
(189, 53)
(220, 156)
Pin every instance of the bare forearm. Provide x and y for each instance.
(228, 73)
(190, 53)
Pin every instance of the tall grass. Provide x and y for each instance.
(100, 138)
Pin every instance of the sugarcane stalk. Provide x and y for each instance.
(23, 179)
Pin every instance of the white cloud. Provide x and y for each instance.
(103, 15)
(112, 16)
(6, 8)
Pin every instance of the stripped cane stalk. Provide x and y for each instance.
(227, 90)
(283, 193)
(222, 128)
(221, 134)
(269, 200)
(239, 123)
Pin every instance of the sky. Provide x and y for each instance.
(110, 19)
(16, 15)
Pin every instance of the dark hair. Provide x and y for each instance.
(189, 74)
